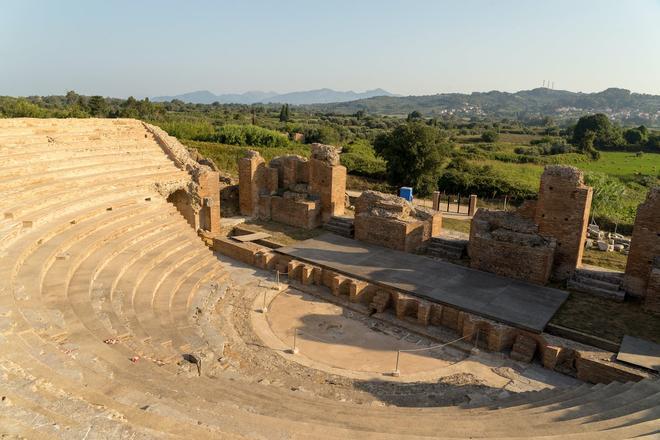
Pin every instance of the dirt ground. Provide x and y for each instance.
(362, 379)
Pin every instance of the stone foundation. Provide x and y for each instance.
(543, 239)
(390, 221)
(293, 190)
(508, 244)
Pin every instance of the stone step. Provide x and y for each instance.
(339, 230)
(595, 282)
(449, 243)
(618, 295)
(340, 226)
(446, 248)
(602, 275)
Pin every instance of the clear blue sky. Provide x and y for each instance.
(146, 48)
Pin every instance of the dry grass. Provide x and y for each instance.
(281, 233)
(606, 318)
(609, 260)
(455, 224)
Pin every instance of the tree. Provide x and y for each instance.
(490, 136)
(634, 136)
(284, 113)
(654, 142)
(414, 116)
(71, 98)
(606, 134)
(414, 153)
(97, 106)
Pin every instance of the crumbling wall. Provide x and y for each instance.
(390, 221)
(562, 212)
(652, 300)
(291, 189)
(182, 201)
(299, 213)
(327, 178)
(644, 248)
(198, 200)
(508, 244)
(251, 182)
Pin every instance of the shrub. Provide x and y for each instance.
(489, 136)
(461, 177)
(187, 128)
(249, 135)
(22, 108)
(360, 158)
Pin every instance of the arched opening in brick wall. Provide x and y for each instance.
(183, 203)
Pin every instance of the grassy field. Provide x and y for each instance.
(614, 163)
(628, 169)
(523, 174)
(607, 319)
(609, 260)
(455, 224)
(622, 164)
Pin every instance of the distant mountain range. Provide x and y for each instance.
(319, 96)
(619, 104)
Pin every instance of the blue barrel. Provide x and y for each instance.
(406, 192)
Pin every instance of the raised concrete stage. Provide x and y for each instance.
(506, 300)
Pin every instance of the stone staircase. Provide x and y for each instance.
(447, 247)
(340, 225)
(105, 290)
(598, 282)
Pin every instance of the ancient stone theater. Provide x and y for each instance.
(131, 309)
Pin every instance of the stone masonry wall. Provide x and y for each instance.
(251, 182)
(390, 221)
(508, 244)
(652, 300)
(329, 182)
(562, 212)
(197, 200)
(292, 189)
(644, 247)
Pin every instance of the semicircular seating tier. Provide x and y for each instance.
(92, 253)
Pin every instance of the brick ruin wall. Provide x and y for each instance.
(390, 221)
(562, 212)
(508, 244)
(199, 201)
(642, 276)
(543, 239)
(291, 189)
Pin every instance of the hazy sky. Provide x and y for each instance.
(146, 48)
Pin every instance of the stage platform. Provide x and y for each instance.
(516, 303)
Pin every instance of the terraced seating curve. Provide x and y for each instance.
(101, 286)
